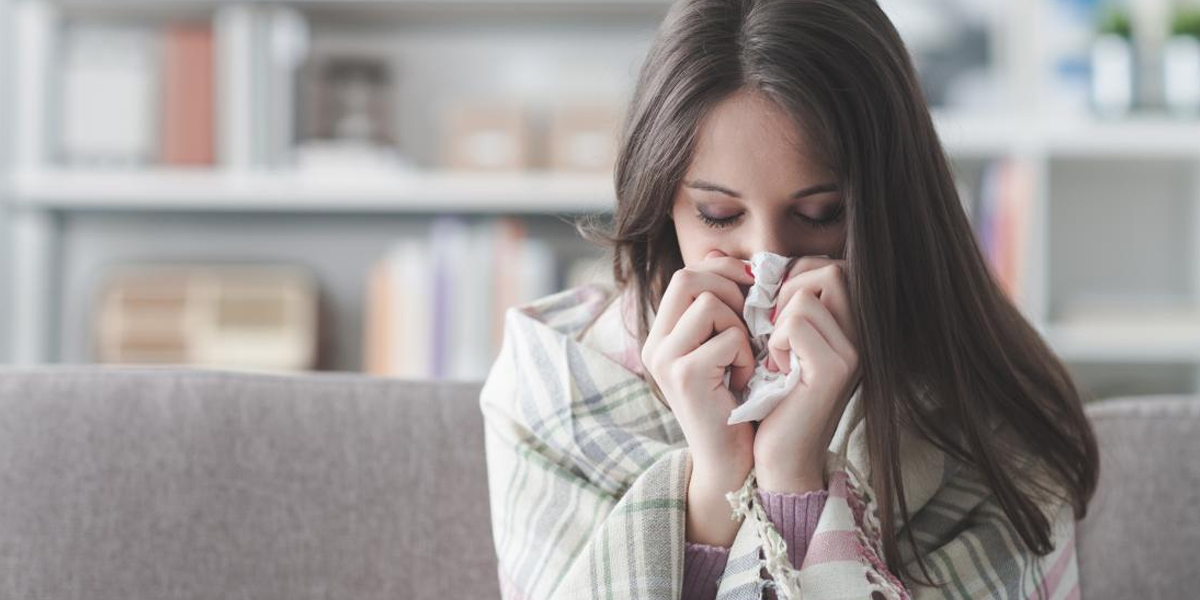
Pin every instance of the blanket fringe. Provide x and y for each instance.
(745, 503)
(785, 578)
(862, 502)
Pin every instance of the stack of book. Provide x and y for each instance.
(1002, 223)
(436, 304)
(184, 93)
(133, 95)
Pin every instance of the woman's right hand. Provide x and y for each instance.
(697, 334)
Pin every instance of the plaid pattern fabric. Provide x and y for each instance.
(588, 472)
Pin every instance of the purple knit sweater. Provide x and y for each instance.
(793, 515)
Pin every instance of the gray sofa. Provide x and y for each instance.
(130, 483)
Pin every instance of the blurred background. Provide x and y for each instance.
(365, 185)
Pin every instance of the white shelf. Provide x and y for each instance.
(979, 135)
(590, 4)
(360, 3)
(1126, 342)
(170, 7)
(533, 192)
(348, 191)
(1151, 136)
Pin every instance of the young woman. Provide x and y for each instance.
(934, 447)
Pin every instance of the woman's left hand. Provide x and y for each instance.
(813, 320)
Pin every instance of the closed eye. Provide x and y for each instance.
(717, 223)
(821, 223)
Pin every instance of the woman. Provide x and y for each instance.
(934, 446)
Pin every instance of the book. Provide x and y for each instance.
(188, 102)
(108, 84)
(436, 303)
(1003, 222)
(412, 331)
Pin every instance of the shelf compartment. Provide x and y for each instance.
(1121, 238)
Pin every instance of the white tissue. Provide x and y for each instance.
(766, 388)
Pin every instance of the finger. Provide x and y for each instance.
(706, 316)
(794, 268)
(806, 304)
(797, 335)
(794, 276)
(733, 268)
(686, 284)
(727, 348)
(828, 281)
(804, 263)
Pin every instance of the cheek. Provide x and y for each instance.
(694, 242)
(685, 230)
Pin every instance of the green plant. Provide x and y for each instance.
(1114, 19)
(1186, 22)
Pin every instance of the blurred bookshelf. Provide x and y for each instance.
(354, 137)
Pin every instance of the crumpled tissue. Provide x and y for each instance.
(765, 388)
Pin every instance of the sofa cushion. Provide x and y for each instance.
(189, 483)
(1141, 536)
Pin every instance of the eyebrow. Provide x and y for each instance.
(700, 184)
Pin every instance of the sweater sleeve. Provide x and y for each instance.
(702, 568)
(795, 518)
(793, 515)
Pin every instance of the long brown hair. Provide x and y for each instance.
(943, 347)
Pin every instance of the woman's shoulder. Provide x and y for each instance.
(598, 316)
(564, 348)
(568, 311)
(537, 328)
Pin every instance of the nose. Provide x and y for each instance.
(769, 237)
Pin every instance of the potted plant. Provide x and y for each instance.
(1181, 63)
(1112, 62)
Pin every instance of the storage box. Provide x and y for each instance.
(228, 316)
(488, 137)
(583, 137)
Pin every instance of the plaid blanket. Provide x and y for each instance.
(588, 473)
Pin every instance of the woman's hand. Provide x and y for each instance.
(813, 320)
(697, 334)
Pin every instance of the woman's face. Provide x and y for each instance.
(752, 185)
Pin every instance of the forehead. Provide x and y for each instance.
(747, 135)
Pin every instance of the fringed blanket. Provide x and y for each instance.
(588, 473)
